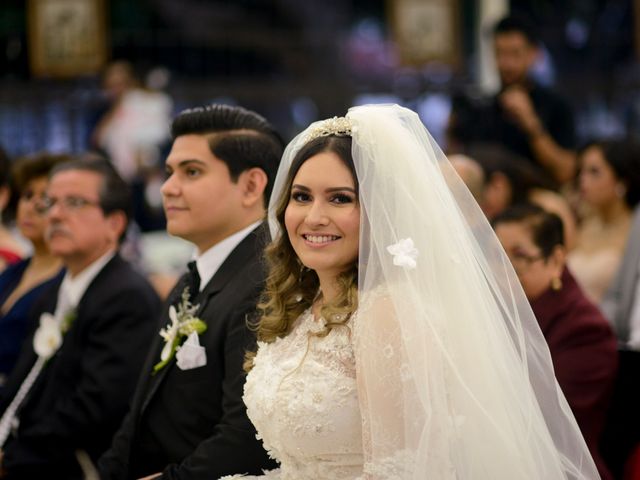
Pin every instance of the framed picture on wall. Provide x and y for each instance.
(66, 37)
(426, 31)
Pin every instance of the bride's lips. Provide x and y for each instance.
(319, 240)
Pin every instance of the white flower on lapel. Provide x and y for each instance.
(169, 333)
(47, 338)
(404, 253)
(191, 354)
(183, 323)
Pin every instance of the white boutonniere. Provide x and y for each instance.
(404, 253)
(183, 324)
(48, 336)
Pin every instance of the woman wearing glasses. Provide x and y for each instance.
(581, 343)
(22, 283)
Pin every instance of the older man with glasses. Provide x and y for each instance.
(76, 372)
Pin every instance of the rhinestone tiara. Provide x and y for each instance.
(339, 126)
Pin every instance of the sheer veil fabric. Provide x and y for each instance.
(455, 380)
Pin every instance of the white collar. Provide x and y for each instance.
(72, 288)
(209, 262)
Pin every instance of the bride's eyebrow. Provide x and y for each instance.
(340, 189)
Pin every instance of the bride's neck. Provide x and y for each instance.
(329, 288)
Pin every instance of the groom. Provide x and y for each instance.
(188, 420)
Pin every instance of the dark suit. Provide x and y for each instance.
(192, 424)
(83, 392)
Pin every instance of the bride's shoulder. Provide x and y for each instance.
(378, 296)
(375, 310)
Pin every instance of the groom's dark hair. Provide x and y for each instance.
(241, 138)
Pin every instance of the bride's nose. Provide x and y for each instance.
(317, 214)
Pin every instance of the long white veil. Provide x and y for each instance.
(455, 378)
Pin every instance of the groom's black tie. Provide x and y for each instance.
(193, 279)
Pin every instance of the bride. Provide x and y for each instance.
(394, 339)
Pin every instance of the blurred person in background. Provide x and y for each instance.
(582, 344)
(508, 179)
(10, 248)
(136, 125)
(525, 117)
(23, 282)
(471, 174)
(621, 303)
(73, 380)
(609, 189)
(134, 133)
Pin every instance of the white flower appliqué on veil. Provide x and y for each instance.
(404, 253)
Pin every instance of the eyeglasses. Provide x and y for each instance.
(31, 196)
(69, 204)
(522, 260)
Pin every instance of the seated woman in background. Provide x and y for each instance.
(581, 342)
(10, 248)
(609, 184)
(22, 283)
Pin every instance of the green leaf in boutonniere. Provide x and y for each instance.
(183, 323)
(67, 321)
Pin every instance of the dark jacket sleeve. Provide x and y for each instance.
(113, 464)
(585, 361)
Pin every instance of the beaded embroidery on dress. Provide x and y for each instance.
(301, 396)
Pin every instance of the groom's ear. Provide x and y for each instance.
(252, 183)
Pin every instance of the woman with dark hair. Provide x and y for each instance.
(393, 339)
(23, 282)
(609, 185)
(509, 179)
(10, 248)
(581, 342)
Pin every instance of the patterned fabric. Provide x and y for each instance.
(301, 396)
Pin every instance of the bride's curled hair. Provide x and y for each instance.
(291, 287)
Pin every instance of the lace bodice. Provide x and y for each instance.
(301, 396)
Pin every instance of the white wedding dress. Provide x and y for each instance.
(301, 396)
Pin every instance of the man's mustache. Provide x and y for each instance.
(57, 229)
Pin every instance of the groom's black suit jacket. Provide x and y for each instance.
(83, 392)
(192, 424)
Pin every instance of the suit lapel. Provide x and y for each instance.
(158, 344)
(246, 251)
